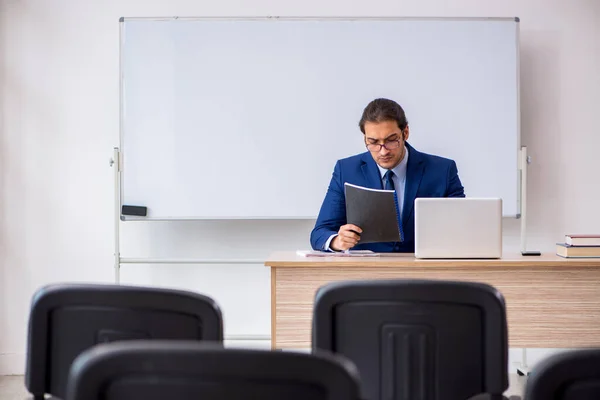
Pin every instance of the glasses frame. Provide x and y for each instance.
(385, 144)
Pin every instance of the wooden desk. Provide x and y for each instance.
(551, 302)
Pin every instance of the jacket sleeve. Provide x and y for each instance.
(333, 211)
(454, 187)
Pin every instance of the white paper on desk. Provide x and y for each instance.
(351, 253)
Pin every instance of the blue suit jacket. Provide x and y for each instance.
(426, 176)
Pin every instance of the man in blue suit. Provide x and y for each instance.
(390, 163)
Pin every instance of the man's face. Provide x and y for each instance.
(390, 134)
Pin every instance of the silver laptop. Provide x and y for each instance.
(458, 228)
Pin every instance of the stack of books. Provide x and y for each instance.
(579, 246)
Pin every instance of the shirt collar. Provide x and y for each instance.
(400, 169)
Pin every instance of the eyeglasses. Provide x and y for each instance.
(389, 145)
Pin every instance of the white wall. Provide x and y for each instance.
(59, 123)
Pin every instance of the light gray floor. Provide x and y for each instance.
(13, 388)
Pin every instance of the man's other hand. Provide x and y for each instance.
(348, 236)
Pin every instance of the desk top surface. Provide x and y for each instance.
(408, 260)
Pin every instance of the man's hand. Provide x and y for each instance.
(348, 236)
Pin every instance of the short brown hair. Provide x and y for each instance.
(380, 110)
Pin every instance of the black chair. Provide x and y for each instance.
(159, 370)
(417, 339)
(572, 375)
(67, 319)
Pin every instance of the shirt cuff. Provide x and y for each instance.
(328, 242)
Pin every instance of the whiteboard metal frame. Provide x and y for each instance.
(122, 20)
(315, 18)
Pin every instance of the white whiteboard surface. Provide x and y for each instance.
(245, 118)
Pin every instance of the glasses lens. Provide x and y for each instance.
(391, 145)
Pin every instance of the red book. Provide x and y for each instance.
(582, 240)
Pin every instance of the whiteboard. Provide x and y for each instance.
(245, 118)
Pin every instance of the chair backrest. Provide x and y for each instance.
(158, 370)
(570, 375)
(416, 339)
(66, 319)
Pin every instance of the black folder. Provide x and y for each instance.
(375, 211)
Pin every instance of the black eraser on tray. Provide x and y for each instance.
(139, 211)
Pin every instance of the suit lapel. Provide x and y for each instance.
(414, 173)
(371, 172)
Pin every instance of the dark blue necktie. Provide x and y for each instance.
(388, 183)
